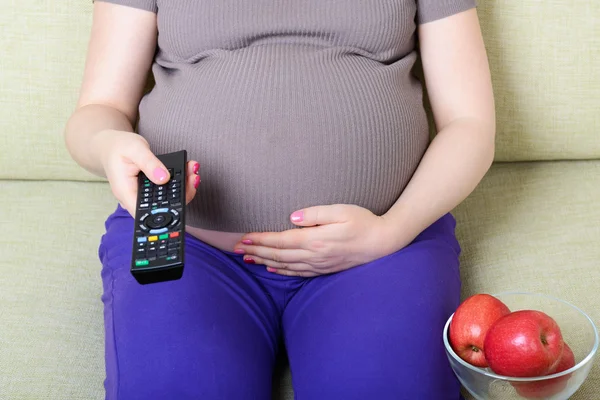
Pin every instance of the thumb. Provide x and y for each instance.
(319, 215)
(148, 163)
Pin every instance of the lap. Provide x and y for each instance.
(375, 331)
(188, 338)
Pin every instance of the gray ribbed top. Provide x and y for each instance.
(289, 104)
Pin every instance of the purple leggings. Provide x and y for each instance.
(371, 332)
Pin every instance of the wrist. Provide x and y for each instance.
(103, 143)
(99, 144)
(398, 231)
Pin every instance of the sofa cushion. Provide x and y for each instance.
(542, 58)
(43, 52)
(544, 61)
(52, 340)
(529, 226)
(533, 227)
(51, 343)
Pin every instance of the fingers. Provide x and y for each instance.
(279, 256)
(320, 215)
(289, 269)
(290, 239)
(302, 274)
(124, 187)
(193, 180)
(140, 154)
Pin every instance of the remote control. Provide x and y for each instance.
(160, 224)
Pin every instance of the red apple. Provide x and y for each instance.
(523, 344)
(545, 389)
(470, 324)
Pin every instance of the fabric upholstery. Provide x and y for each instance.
(528, 227)
(544, 58)
(533, 227)
(43, 53)
(545, 78)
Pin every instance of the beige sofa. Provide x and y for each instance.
(532, 225)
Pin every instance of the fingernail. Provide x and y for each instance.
(247, 241)
(196, 168)
(297, 216)
(160, 174)
(196, 182)
(271, 269)
(249, 261)
(239, 251)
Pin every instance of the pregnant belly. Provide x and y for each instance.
(280, 128)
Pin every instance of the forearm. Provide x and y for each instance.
(453, 165)
(83, 128)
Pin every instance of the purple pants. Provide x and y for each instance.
(371, 332)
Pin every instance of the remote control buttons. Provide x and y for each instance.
(159, 197)
(157, 247)
(158, 243)
(159, 221)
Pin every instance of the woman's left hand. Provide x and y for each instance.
(335, 238)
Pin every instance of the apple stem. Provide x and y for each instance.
(475, 349)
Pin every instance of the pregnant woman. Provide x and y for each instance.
(322, 225)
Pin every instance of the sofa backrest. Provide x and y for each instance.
(544, 55)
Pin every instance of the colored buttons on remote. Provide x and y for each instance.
(154, 247)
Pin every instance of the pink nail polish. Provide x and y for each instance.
(247, 241)
(249, 261)
(196, 168)
(239, 251)
(297, 216)
(196, 182)
(270, 269)
(160, 174)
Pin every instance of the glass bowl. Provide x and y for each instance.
(578, 331)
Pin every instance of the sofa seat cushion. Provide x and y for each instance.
(51, 343)
(529, 226)
(535, 227)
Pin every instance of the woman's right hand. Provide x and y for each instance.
(124, 154)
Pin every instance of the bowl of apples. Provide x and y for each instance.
(514, 346)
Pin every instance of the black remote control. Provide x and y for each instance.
(160, 224)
